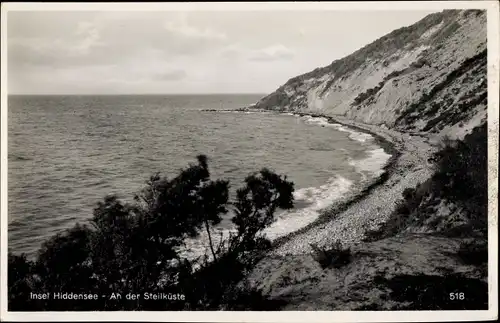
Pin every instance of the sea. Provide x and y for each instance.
(66, 153)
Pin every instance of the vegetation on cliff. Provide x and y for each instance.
(458, 186)
(453, 203)
(133, 248)
(431, 254)
(426, 77)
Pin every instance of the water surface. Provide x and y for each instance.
(67, 152)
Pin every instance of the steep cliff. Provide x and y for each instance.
(428, 77)
(422, 231)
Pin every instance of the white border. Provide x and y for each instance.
(253, 6)
(289, 316)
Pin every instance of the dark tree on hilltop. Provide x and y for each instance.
(133, 248)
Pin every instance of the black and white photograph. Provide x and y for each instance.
(273, 159)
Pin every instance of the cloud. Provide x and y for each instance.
(181, 27)
(87, 37)
(39, 50)
(172, 51)
(174, 75)
(233, 51)
(272, 53)
(106, 39)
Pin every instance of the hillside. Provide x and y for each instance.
(428, 77)
(420, 234)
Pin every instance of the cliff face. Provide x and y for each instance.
(428, 77)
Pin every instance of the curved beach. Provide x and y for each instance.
(377, 164)
(348, 220)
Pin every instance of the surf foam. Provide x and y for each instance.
(354, 135)
(318, 198)
(373, 164)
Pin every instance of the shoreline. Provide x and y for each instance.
(349, 218)
(294, 271)
(343, 204)
(388, 144)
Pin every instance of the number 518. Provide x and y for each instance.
(457, 296)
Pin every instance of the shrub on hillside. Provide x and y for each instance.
(335, 256)
(404, 214)
(460, 178)
(474, 252)
(134, 248)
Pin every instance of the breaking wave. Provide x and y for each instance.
(373, 164)
(354, 135)
(313, 199)
(317, 198)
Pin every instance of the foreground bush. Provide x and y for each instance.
(335, 256)
(134, 248)
(475, 252)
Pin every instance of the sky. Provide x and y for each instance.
(167, 52)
